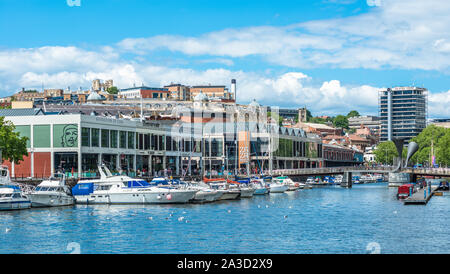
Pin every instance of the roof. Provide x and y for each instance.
(144, 88)
(21, 112)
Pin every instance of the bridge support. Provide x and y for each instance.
(347, 180)
(413, 178)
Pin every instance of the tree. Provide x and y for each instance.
(424, 139)
(112, 90)
(353, 113)
(443, 149)
(340, 121)
(12, 145)
(385, 152)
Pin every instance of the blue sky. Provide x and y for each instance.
(330, 55)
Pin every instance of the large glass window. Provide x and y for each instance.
(113, 136)
(95, 137)
(131, 140)
(105, 138)
(123, 139)
(85, 136)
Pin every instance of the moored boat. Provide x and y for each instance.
(11, 195)
(52, 192)
(120, 189)
(259, 185)
(277, 186)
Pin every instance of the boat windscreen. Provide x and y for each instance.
(138, 183)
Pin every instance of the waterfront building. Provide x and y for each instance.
(202, 136)
(76, 143)
(337, 155)
(403, 112)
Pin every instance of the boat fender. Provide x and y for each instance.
(169, 197)
(158, 197)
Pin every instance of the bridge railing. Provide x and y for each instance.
(329, 170)
(431, 170)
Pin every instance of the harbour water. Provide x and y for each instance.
(367, 218)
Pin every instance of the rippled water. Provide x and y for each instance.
(320, 220)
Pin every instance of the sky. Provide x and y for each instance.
(331, 56)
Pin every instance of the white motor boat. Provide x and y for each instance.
(205, 193)
(259, 186)
(277, 186)
(246, 191)
(369, 178)
(227, 193)
(52, 192)
(338, 179)
(110, 189)
(11, 195)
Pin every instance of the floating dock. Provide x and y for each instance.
(420, 197)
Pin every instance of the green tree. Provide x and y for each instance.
(353, 113)
(385, 152)
(443, 149)
(424, 139)
(112, 90)
(340, 121)
(12, 145)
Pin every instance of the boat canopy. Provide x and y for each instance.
(83, 189)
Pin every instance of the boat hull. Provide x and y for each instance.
(278, 189)
(15, 205)
(230, 195)
(247, 192)
(48, 200)
(147, 197)
(261, 191)
(207, 196)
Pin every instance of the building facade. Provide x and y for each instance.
(403, 112)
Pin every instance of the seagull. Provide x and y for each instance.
(181, 219)
(229, 211)
(290, 206)
(259, 206)
(267, 206)
(7, 230)
(285, 216)
(150, 218)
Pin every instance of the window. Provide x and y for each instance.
(85, 137)
(113, 136)
(105, 138)
(131, 140)
(95, 137)
(123, 139)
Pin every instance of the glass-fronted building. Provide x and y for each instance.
(403, 112)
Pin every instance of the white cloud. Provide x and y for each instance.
(438, 105)
(406, 34)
